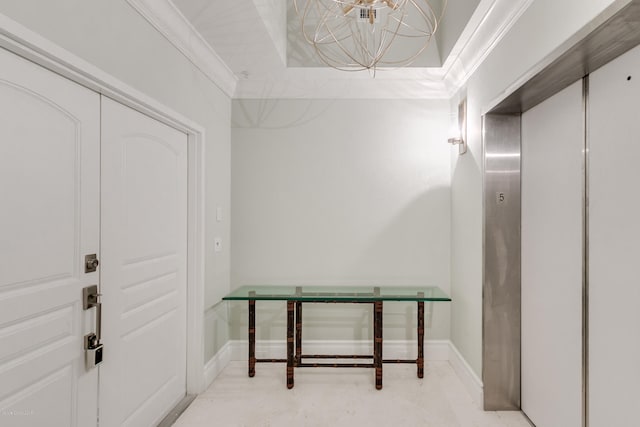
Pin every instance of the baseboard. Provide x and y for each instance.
(434, 350)
(471, 381)
(217, 363)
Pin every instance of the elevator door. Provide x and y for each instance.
(552, 143)
(614, 243)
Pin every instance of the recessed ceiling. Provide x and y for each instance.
(260, 41)
(301, 54)
(259, 38)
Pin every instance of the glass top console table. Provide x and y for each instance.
(295, 296)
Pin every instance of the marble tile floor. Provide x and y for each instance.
(330, 397)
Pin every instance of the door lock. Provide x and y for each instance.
(92, 346)
(93, 351)
(91, 263)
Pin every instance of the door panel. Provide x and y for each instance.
(552, 141)
(49, 182)
(614, 235)
(144, 236)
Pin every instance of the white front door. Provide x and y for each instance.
(144, 258)
(49, 220)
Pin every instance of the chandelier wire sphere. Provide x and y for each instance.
(355, 35)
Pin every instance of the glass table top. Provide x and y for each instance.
(338, 293)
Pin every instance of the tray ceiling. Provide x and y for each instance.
(259, 42)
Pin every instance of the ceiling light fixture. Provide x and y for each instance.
(355, 35)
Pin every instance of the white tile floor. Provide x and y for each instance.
(341, 397)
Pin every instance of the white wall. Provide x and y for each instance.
(112, 36)
(341, 192)
(543, 27)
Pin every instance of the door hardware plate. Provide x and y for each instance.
(89, 297)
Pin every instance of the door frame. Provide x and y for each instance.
(30, 45)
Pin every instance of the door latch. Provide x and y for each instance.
(92, 346)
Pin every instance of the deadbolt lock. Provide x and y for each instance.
(91, 263)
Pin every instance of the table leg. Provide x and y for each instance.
(377, 343)
(420, 360)
(290, 356)
(252, 338)
(298, 332)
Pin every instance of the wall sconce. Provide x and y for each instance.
(459, 133)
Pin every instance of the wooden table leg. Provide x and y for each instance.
(252, 338)
(290, 355)
(298, 332)
(420, 360)
(377, 343)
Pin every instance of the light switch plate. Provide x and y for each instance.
(218, 214)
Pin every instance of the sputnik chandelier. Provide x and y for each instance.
(355, 35)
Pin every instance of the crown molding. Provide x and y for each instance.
(328, 83)
(489, 23)
(165, 17)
